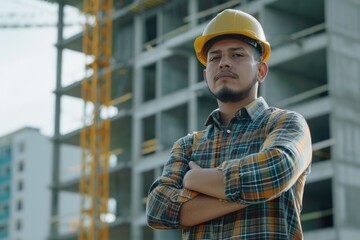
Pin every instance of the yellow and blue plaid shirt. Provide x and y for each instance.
(265, 155)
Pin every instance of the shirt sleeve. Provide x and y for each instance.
(166, 194)
(284, 156)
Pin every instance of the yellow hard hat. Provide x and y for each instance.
(231, 21)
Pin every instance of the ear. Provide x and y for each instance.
(262, 71)
(204, 75)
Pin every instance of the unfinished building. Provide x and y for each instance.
(159, 96)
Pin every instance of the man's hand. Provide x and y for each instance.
(187, 178)
(209, 181)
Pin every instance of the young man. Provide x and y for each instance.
(243, 176)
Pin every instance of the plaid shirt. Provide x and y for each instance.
(265, 155)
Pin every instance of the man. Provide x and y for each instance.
(243, 176)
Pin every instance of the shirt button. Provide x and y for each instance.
(228, 131)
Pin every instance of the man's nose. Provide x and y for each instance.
(225, 63)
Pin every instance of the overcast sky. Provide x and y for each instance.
(28, 68)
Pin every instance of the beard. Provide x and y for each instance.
(226, 95)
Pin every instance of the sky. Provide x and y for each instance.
(28, 68)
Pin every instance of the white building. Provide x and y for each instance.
(25, 166)
(25, 182)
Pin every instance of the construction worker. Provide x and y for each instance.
(243, 176)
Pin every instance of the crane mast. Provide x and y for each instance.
(95, 133)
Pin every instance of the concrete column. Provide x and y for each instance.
(192, 104)
(136, 131)
(343, 26)
(56, 155)
(193, 9)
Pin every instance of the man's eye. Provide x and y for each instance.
(237, 55)
(214, 58)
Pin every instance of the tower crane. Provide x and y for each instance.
(95, 134)
(96, 88)
(33, 14)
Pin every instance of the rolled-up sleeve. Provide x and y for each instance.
(166, 194)
(284, 156)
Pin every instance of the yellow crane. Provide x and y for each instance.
(95, 134)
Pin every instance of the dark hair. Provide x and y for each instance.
(253, 43)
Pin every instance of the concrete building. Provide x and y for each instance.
(25, 181)
(25, 174)
(314, 70)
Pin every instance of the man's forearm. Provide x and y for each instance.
(208, 181)
(204, 208)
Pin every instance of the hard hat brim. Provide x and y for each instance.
(200, 42)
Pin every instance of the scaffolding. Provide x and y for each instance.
(95, 134)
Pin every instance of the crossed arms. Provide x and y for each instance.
(183, 195)
(209, 182)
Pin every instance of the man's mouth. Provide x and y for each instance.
(225, 74)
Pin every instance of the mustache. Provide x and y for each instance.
(225, 73)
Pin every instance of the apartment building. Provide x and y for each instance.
(313, 70)
(25, 183)
(25, 173)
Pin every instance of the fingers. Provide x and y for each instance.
(193, 165)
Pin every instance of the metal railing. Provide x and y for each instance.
(303, 96)
(297, 35)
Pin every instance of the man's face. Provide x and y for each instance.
(231, 72)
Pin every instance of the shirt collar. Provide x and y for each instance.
(256, 107)
(253, 109)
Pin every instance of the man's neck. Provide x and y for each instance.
(228, 110)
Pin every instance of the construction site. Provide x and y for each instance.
(143, 89)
